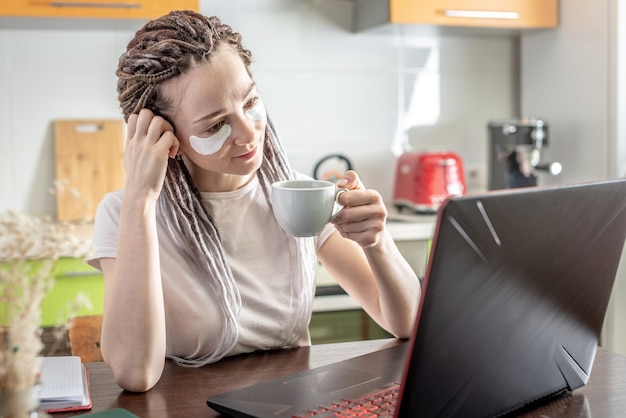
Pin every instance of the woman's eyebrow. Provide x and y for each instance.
(217, 112)
(207, 117)
(252, 87)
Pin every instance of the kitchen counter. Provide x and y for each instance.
(411, 227)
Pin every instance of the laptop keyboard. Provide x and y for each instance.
(380, 404)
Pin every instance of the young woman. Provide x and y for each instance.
(196, 267)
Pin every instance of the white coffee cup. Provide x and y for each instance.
(303, 207)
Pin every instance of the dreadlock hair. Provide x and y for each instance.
(162, 49)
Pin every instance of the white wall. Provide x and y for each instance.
(328, 89)
(565, 79)
(45, 74)
(574, 78)
(615, 331)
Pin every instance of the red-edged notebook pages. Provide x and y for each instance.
(64, 385)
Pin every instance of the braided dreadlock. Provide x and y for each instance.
(162, 49)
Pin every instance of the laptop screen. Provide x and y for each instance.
(514, 298)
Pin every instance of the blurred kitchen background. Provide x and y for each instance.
(331, 88)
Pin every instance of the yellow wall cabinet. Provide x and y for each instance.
(111, 9)
(512, 14)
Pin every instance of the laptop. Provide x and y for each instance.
(513, 302)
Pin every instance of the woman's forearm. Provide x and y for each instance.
(133, 333)
(398, 286)
(377, 277)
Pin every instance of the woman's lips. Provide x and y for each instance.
(248, 155)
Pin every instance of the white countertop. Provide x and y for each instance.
(411, 231)
(334, 303)
(409, 226)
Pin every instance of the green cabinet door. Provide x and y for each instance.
(72, 276)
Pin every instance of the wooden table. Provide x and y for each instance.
(182, 392)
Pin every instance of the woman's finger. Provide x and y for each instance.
(174, 148)
(350, 181)
(144, 120)
(131, 126)
(168, 143)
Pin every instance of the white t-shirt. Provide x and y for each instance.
(257, 252)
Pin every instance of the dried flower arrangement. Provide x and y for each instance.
(29, 249)
(72, 307)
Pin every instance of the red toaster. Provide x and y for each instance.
(425, 179)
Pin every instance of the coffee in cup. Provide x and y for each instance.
(303, 207)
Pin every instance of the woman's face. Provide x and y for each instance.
(219, 119)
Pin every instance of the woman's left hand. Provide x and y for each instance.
(364, 213)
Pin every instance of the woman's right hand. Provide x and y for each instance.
(150, 142)
(135, 349)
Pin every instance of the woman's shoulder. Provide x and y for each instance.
(113, 199)
(110, 204)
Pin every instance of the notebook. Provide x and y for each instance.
(64, 384)
(512, 305)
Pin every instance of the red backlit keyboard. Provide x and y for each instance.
(380, 404)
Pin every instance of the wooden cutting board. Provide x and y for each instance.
(89, 158)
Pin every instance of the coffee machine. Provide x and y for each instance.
(515, 148)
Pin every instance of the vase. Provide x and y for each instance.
(21, 404)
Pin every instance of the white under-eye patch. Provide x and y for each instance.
(256, 112)
(211, 144)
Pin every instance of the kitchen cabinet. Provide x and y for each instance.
(342, 326)
(115, 9)
(516, 14)
(71, 277)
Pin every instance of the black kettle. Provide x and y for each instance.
(326, 167)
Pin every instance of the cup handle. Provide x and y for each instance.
(337, 193)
